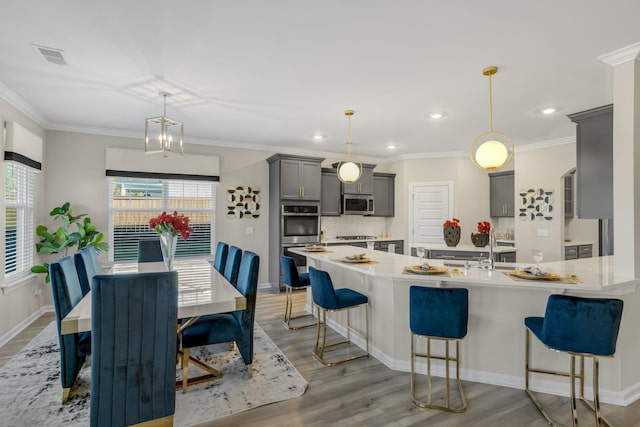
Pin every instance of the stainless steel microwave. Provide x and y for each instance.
(354, 204)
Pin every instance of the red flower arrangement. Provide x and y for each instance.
(173, 224)
(454, 222)
(484, 227)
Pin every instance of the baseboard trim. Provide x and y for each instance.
(556, 388)
(22, 325)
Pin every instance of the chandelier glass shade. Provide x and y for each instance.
(162, 135)
(349, 168)
(491, 150)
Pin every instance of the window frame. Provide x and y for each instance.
(24, 205)
(165, 197)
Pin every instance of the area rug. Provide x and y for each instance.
(30, 387)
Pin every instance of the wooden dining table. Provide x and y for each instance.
(202, 290)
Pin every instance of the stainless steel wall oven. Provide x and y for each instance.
(300, 223)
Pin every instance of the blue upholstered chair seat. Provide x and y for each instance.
(212, 329)
(84, 344)
(303, 280)
(447, 313)
(348, 298)
(563, 326)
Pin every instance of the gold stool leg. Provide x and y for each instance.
(286, 320)
(574, 408)
(319, 350)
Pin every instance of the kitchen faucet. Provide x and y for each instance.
(492, 242)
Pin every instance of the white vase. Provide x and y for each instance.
(168, 243)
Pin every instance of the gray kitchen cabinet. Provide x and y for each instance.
(384, 194)
(578, 251)
(569, 194)
(501, 194)
(299, 178)
(467, 255)
(330, 194)
(364, 185)
(594, 162)
(384, 246)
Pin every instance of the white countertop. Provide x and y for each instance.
(596, 274)
(463, 248)
(578, 242)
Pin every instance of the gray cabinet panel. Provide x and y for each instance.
(568, 195)
(330, 193)
(299, 178)
(384, 246)
(501, 193)
(364, 185)
(468, 255)
(384, 194)
(594, 162)
(578, 251)
(310, 179)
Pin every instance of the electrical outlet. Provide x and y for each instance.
(248, 230)
(37, 290)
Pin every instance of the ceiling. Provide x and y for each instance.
(271, 74)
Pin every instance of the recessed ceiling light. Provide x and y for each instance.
(318, 137)
(549, 110)
(436, 115)
(391, 146)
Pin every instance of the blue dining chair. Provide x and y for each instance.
(232, 265)
(326, 298)
(581, 327)
(441, 314)
(133, 365)
(149, 250)
(87, 265)
(222, 251)
(293, 280)
(74, 348)
(235, 327)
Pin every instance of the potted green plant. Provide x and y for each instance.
(60, 240)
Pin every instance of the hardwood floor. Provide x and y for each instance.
(366, 393)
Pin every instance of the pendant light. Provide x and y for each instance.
(349, 168)
(491, 150)
(163, 135)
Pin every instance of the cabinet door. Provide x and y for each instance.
(570, 252)
(384, 195)
(505, 257)
(568, 195)
(364, 185)
(501, 193)
(585, 251)
(290, 185)
(310, 180)
(330, 195)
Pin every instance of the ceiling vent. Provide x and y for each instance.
(51, 54)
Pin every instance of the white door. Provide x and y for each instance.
(431, 204)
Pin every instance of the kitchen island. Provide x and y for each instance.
(493, 351)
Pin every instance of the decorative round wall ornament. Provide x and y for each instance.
(243, 202)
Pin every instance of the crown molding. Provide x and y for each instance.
(546, 144)
(617, 57)
(17, 102)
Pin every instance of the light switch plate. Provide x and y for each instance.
(543, 232)
(248, 230)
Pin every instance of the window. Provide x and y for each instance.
(19, 240)
(134, 201)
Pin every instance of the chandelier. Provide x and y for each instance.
(163, 135)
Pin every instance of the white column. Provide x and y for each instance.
(626, 158)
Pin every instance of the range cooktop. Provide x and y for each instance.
(355, 237)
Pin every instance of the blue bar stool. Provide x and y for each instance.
(329, 299)
(584, 327)
(442, 314)
(293, 280)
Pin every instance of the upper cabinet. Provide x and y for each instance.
(298, 178)
(501, 193)
(384, 194)
(364, 184)
(594, 162)
(330, 201)
(569, 189)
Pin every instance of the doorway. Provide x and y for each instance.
(430, 205)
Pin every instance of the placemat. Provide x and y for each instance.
(357, 261)
(433, 270)
(523, 276)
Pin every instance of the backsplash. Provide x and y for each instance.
(353, 225)
(505, 226)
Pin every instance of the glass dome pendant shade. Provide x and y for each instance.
(162, 135)
(492, 150)
(349, 167)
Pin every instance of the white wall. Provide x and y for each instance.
(20, 304)
(76, 173)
